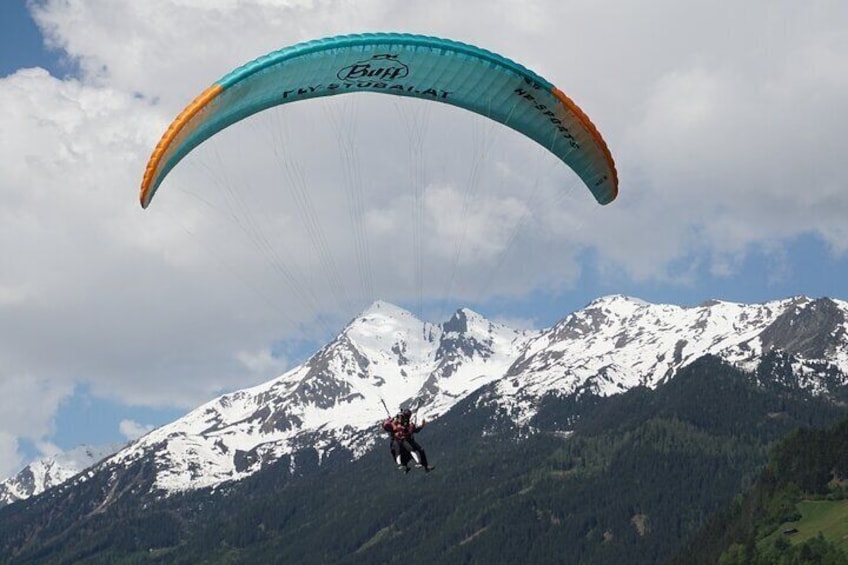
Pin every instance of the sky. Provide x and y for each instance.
(726, 122)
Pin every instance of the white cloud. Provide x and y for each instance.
(10, 295)
(133, 430)
(48, 449)
(262, 363)
(27, 406)
(482, 225)
(11, 460)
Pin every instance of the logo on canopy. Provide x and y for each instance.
(384, 67)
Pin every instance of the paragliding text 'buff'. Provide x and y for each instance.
(387, 68)
(375, 73)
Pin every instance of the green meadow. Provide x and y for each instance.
(830, 517)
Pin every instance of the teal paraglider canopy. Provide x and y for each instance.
(427, 68)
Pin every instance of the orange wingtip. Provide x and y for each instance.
(596, 135)
(168, 137)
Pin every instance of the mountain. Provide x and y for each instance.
(333, 402)
(50, 471)
(330, 406)
(616, 343)
(625, 478)
(617, 364)
(625, 482)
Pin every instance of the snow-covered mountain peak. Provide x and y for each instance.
(386, 326)
(612, 308)
(381, 309)
(812, 329)
(615, 302)
(469, 323)
(386, 358)
(468, 334)
(52, 470)
(616, 343)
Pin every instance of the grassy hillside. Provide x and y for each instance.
(826, 517)
(796, 512)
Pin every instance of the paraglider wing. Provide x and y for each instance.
(417, 66)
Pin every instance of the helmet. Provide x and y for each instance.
(407, 413)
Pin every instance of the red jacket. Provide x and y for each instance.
(398, 430)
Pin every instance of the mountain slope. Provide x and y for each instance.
(616, 343)
(50, 471)
(332, 402)
(623, 478)
(328, 408)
